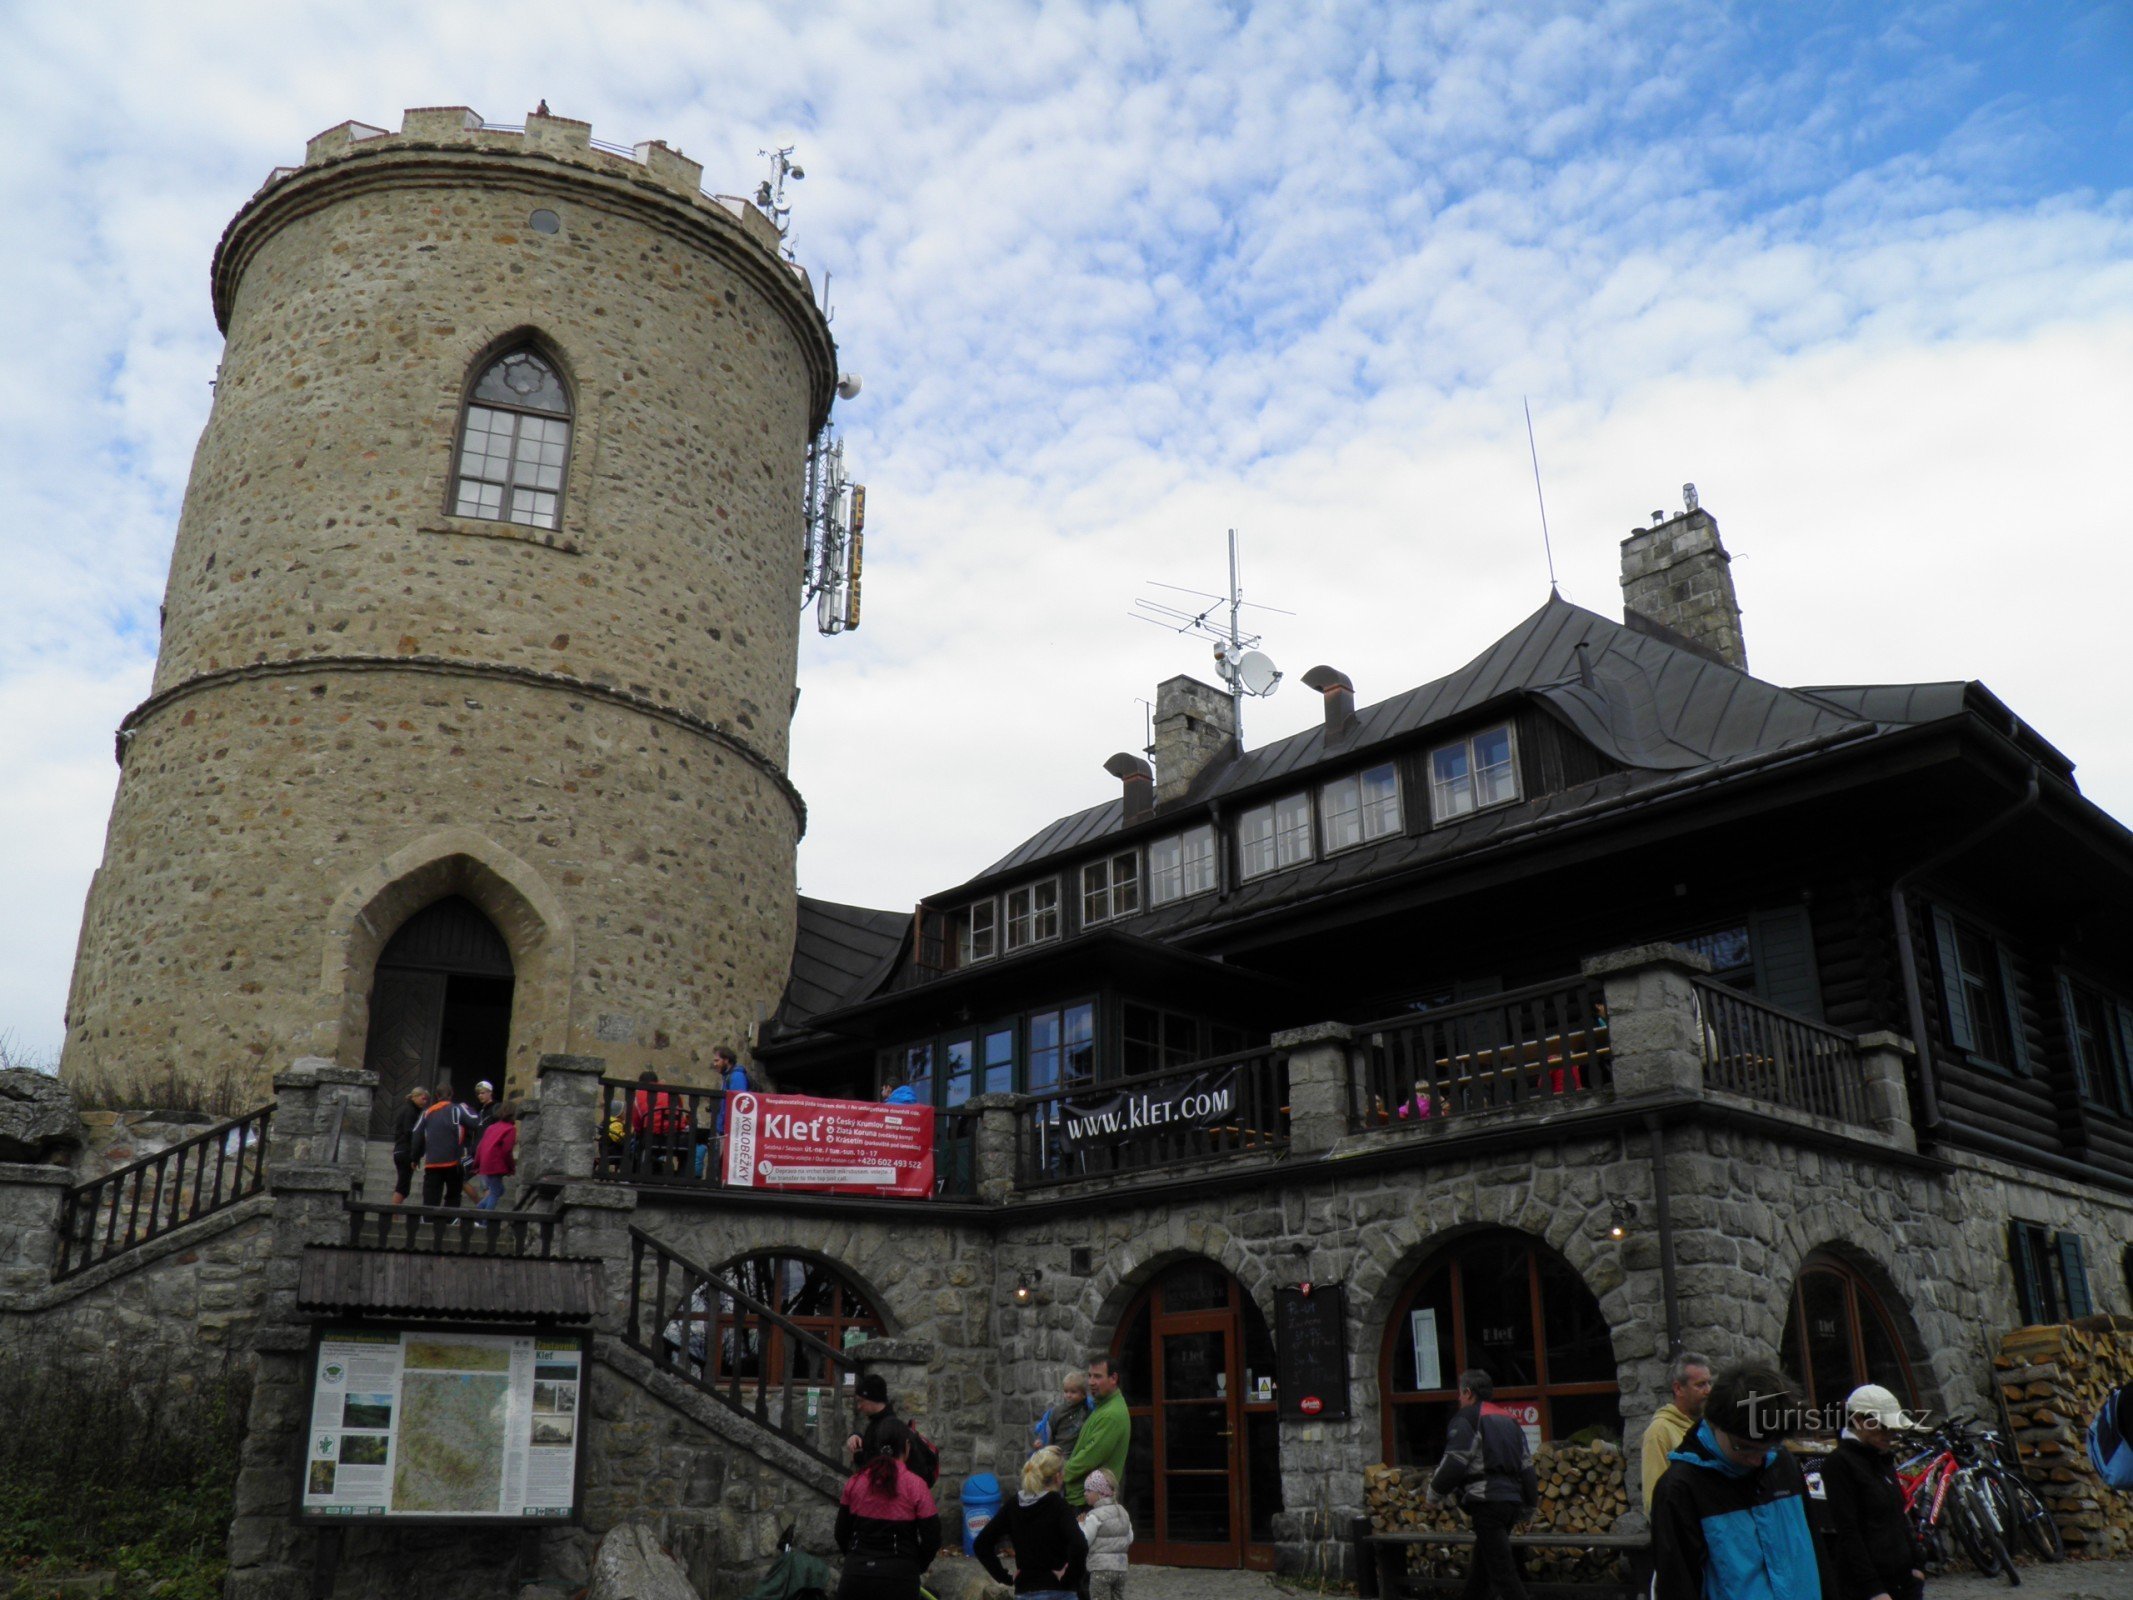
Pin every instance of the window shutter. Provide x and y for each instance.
(2122, 1066)
(2017, 1031)
(2029, 1289)
(1951, 983)
(2067, 1020)
(1782, 945)
(2078, 1303)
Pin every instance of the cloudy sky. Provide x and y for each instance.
(1121, 277)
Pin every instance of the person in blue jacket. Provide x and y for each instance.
(1730, 1519)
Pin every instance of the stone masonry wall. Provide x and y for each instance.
(603, 706)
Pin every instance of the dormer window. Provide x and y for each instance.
(1181, 865)
(1033, 914)
(1111, 888)
(1360, 807)
(1473, 774)
(980, 933)
(1275, 836)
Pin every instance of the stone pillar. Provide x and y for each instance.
(1318, 1085)
(594, 1224)
(1882, 1058)
(567, 1135)
(29, 1226)
(269, 1554)
(321, 1116)
(1654, 1024)
(996, 1138)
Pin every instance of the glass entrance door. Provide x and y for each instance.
(1203, 1474)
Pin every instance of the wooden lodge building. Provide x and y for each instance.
(1886, 942)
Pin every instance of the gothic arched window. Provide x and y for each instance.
(514, 444)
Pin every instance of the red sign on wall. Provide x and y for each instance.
(792, 1141)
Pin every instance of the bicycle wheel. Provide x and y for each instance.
(2030, 1519)
(1977, 1532)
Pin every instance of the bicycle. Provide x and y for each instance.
(2021, 1510)
(1939, 1487)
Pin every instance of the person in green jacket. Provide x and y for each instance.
(1104, 1436)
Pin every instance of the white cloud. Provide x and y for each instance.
(1119, 278)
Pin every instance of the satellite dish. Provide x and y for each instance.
(1257, 673)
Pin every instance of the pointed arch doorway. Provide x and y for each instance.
(440, 1007)
(1203, 1474)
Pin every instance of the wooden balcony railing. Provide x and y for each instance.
(1204, 1110)
(126, 1208)
(451, 1230)
(1529, 1047)
(719, 1339)
(658, 1133)
(1756, 1050)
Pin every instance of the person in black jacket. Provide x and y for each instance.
(1871, 1545)
(405, 1121)
(1051, 1553)
(887, 1525)
(1487, 1469)
(876, 1416)
(441, 1141)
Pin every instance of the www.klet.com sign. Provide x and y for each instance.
(790, 1141)
(1205, 1101)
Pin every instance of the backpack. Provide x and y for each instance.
(922, 1458)
(2111, 1438)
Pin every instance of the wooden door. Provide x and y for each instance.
(406, 1022)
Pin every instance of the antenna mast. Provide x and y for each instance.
(1547, 548)
(1237, 657)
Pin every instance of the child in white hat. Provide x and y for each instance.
(1109, 1531)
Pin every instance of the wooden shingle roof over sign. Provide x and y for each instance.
(344, 1281)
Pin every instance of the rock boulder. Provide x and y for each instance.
(37, 1117)
(631, 1566)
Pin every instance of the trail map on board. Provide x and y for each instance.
(443, 1425)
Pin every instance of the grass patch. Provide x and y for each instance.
(219, 1093)
(124, 1465)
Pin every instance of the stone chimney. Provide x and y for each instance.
(1138, 781)
(1195, 727)
(1677, 584)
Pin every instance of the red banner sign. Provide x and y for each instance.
(792, 1141)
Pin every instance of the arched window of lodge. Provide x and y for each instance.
(1507, 1304)
(736, 1341)
(514, 443)
(1839, 1335)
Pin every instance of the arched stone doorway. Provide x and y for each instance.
(1203, 1476)
(1502, 1301)
(440, 1007)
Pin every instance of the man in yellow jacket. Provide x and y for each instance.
(1689, 1376)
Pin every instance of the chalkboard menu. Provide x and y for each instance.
(1311, 1351)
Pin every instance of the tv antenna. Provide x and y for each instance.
(770, 193)
(1547, 548)
(1244, 667)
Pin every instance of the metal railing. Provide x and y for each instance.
(1756, 1050)
(1534, 1046)
(451, 1230)
(1204, 1110)
(720, 1340)
(126, 1208)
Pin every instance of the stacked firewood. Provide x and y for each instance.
(1583, 1489)
(2053, 1379)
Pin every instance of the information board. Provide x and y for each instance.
(1311, 1350)
(792, 1141)
(444, 1424)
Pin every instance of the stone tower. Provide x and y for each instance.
(468, 733)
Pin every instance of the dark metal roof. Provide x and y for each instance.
(1649, 705)
(841, 953)
(341, 1278)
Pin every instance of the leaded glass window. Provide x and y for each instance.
(515, 444)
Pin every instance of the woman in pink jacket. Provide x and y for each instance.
(496, 1157)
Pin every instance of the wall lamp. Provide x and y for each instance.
(1625, 1217)
(1026, 1287)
